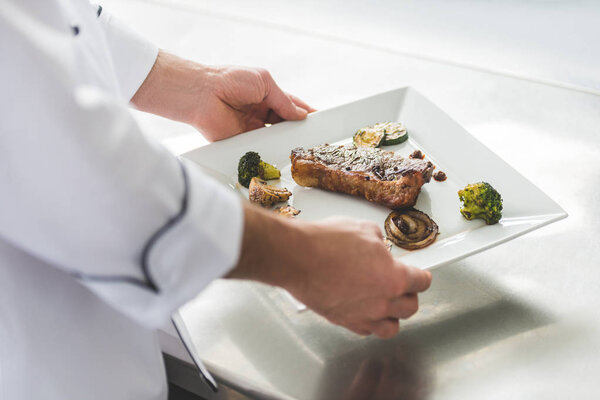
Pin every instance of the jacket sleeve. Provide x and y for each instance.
(133, 55)
(84, 190)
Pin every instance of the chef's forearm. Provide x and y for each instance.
(172, 86)
(273, 249)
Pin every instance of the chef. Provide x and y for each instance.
(104, 234)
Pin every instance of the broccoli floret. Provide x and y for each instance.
(251, 165)
(267, 171)
(248, 168)
(481, 200)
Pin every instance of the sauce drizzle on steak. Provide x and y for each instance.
(384, 165)
(379, 176)
(417, 154)
(440, 176)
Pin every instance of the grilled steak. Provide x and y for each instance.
(378, 176)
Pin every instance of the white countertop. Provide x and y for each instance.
(518, 321)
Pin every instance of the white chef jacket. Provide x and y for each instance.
(103, 233)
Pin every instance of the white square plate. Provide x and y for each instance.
(449, 146)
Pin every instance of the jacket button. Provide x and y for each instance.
(75, 29)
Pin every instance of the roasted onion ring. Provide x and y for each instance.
(410, 229)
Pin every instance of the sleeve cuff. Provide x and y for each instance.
(201, 247)
(133, 56)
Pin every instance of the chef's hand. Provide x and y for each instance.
(353, 281)
(218, 101)
(339, 267)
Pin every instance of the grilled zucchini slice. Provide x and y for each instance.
(380, 134)
(393, 133)
(368, 137)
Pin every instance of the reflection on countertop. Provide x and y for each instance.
(297, 353)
